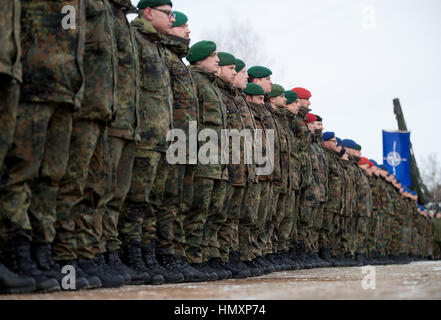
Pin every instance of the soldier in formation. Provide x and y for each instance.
(126, 165)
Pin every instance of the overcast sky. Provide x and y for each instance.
(355, 56)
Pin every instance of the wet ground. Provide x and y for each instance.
(418, 280)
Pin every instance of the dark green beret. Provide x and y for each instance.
(259, 72)
(358, 147)
(253, 89)
(201, 50)
(153, 3)
(181, 19)
(226, 59)
(276, 91)
(291, 97)
(239, 65)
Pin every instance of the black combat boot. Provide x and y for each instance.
(302, 257)
(326, 256)
(136, 277)
(190, 274)
(205, 268)
(253, 268)
(11, 283)
(131, 256)
(293, 265)
(264, 265)
(42, 255)
(167, 271)
(100, 261)
(274, 262)
(238, 269)
(108, 279)
(94, 281)
(221, 272)
(18, 260)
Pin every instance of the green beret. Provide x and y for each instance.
(181, 19)
(259, 72)
(239, 65)
(153, 3)
(226, 59)
(276, 91)
(291, 97)
(358, 147)
(253, 89)
(201, 50)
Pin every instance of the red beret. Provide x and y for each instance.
(371, 164)
(311, 118)
(302, 93)
(363, 161)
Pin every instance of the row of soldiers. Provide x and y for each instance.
(87, 109)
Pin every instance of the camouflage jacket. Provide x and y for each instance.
(100, 64)
(156, 96)
(436, 229)
(10, 50)
(285, 136)
(364, 201)
(259, 114)
(349, 196)
(303, 136)
(212, 115)
(374, 182)
(127, 90)
(237, 169)
(320, 168)
(249, 123)
(386, 204)
(311, 194)
(294, 161)
(185, 100)
(271, 124)
(52, 57)
(336, 181)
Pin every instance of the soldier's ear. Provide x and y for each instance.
(147, 13)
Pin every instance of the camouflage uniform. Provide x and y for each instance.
(375, 221)
(308, 189)
(52, 89)
(243, 191)
(335, 201)
(349, 203)
(282, 220)
(257, 219)
(364, 212)
(185, 109)
(80, 201)
(206, 216)
(436, 238)
(140, 219)
(10, 73)
(123, 130)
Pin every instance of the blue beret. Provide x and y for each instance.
(383, 167)
(338, 141)
(374, 162)
(328, 136)
(347, 143)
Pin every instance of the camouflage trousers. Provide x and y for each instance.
(295, 210)
(268, 228)
(9, 95)
(316, 232)
(141, 218)
(202, 224)
(282, 234)
(436, 251)
(362, 234)
(326, 229)
(34, 166)
(257, 225)
(353, 244)
(346, 231)
(307, 214)
(80, 200)
(122, 153)
(276, 218)
(395, 237)
(404, 239)
(228, 235)
(334, 234)
(186, 198)
(387, 233)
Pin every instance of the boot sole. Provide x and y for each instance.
(18, 290)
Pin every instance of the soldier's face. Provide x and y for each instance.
(241, 79)
(160, 20)
(210, 64)
(256, 99)
(294, 107)
(438, 216)
(305, 103)
(181, 31)
(279, 102)
(265, 83)
(357, 153)
(227, 73)
(311, 126)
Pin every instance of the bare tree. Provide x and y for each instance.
(432, 176)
